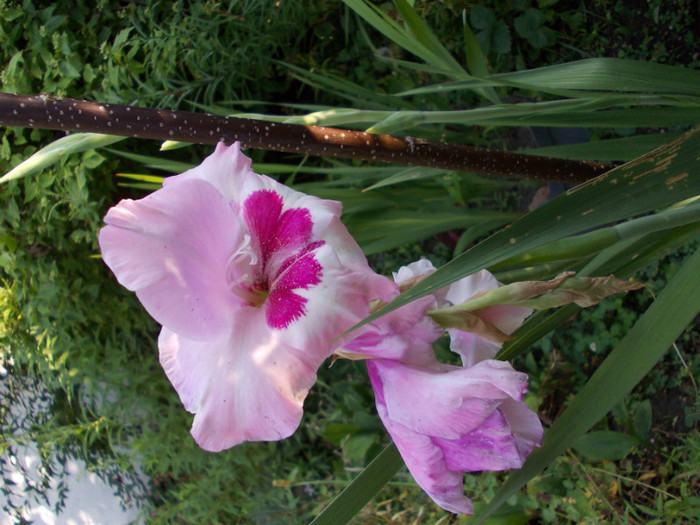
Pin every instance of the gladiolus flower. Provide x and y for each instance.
(444, 419)
(251, 281)
(447, 420)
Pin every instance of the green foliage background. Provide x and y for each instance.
(83, 351)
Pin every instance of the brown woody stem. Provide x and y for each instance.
(48, 112)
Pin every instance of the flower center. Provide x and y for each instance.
(242, 275)
(257, 296)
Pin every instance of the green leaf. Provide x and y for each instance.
(57, 150)
(344, 88)
(336, 432)
(416, 37)
(482, 17)
(362, 489)
(384, 230)
(593, 111)
(159, 163)
(579, 246)
(122, 37)
(408, 174)
(528, 23)
(356, 447)
(605, 444)
(151, 179)
(590, 77)
(612, 74)
(642, 419)
(476, 60)
(627, 364)
(622, 149)
(423, 34)
(500, 38)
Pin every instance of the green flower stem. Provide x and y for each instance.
(536, 272)
(587, 244)
(574, 247)
(49, 112)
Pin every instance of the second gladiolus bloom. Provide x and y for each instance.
(447, 419)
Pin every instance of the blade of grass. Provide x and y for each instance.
(362, 489)
(152, 179)
(346, 89)
(600, 76)
(621, 149)
(54, 152)
(398, 34)
(407, 174)
(153, 162)
(425, 36)
(476, 61)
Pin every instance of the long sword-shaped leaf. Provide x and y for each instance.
(585, 78)
(623, 149)
(384, 231)
(595, 241)
(362, 489)
(608, 111)
(612, 74)
(476, 60)
(423, 34)
(588, 112)
(55, 151)
(159, 163)
(661, 178)
(627, 364)
(432, 53)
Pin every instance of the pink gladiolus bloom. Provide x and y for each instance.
(446, 420)
(251, 281)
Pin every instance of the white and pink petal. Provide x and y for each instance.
(247, 386)
(172, 248)
(227, 169)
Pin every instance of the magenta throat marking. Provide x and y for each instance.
(286, 259)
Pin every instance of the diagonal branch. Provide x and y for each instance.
(48, 112)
